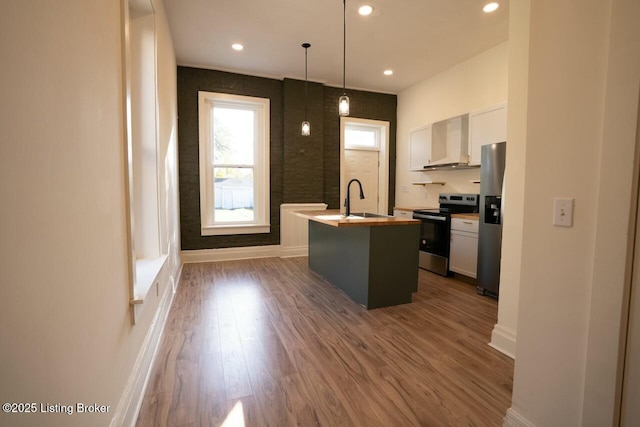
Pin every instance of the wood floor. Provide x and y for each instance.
(267, 342)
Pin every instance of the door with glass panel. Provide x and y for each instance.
(364, 149)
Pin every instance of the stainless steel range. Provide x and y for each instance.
(435, 232)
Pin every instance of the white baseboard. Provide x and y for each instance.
(294, 251)
(131, 400)
(503, 340)
(514, 419)
(227, 254)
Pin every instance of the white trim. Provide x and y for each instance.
(504, 340)
(221, 230)
(152, 278)
(128, 408)
(514, 419)
(147, 272)
(228, 254)
(294, 251)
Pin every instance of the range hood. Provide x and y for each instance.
(449, 145)
(449, 167)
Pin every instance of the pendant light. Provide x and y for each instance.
(343, 102)
(306, 126)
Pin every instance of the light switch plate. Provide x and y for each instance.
(563, 212)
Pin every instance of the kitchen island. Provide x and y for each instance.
(372, 258)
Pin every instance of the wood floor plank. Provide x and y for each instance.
(155, 410)
(184, 396)
(322, 387)
(163, 375)
(212, 399)
(267, 342)
(243, 411)
(236, 376)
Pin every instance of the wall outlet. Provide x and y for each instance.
(405, 188)
(563, 212)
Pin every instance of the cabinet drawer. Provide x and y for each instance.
(463, 224)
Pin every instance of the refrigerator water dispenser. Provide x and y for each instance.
(492, 209)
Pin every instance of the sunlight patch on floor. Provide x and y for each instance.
(235, 417)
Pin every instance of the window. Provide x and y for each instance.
(147, 256)
(234, 164)
(362, 136)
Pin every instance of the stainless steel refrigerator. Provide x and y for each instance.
(491, 205)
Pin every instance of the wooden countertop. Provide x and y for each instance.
(471, 216)
(334, 218)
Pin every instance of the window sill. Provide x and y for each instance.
(225, 230)
(147, 271)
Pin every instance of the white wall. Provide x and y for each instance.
(581, 123)
(504, 335)
(474, 84)
(65, 319)
(611, 270)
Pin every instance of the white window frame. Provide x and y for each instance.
(146, 250)
(261, 179)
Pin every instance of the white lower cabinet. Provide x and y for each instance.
(463, 255)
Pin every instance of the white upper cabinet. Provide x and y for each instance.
(419, 143)
(422, 151)
(486, 126)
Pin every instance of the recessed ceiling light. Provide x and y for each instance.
(365, 10)
(388, 72)
(237, 46)
(490, 7)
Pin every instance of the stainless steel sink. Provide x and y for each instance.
(368, 215)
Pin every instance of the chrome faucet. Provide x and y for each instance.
(347, 201)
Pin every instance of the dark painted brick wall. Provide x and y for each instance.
(303, 169)
(303, 155)
(363, 105)
(190, 81)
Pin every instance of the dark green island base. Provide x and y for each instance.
(377, 266)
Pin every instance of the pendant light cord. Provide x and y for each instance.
(344, 46)
(305, 84)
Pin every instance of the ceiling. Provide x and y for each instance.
(415, 38)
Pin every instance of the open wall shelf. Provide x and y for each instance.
(429, 183)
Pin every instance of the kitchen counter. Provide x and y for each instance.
(411, 209)
(471, 216)
(333, 218)
(374, 260)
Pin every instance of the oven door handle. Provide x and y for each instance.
(435, 218)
